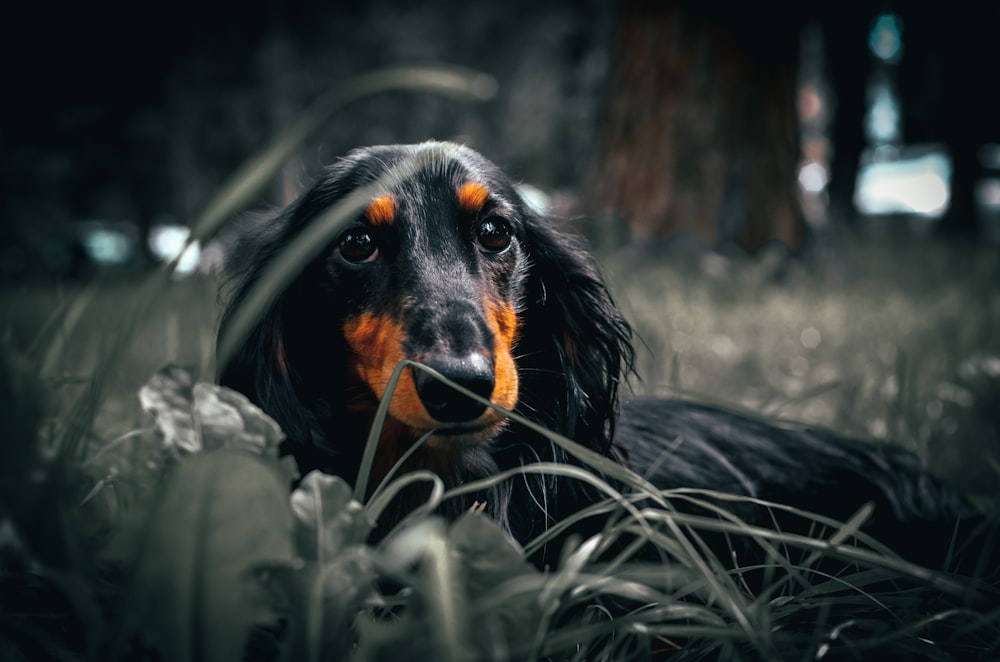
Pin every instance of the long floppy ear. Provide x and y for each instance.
(575, 346)
(259, 368)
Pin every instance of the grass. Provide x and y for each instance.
(889, 338)
(902, 350)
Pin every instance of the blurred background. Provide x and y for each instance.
(798, 206)
(727, 122)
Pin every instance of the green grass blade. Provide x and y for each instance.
(309, 243)
(251, 177)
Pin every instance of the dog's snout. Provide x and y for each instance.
(473, 372)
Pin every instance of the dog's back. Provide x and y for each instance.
(680, 445)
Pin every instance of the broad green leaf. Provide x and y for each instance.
(327, 519)
(227, 419)
(488, 556)
(340, 590)
(190, 417)
(168, 396)
(436, 623)
(471, 593)
(219, 522)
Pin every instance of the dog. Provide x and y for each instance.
(446, 265)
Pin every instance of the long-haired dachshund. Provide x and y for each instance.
(446, 265)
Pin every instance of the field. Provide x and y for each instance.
(889, 337)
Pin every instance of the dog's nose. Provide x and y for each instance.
(444, 403)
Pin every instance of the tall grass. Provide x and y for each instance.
(888, 337)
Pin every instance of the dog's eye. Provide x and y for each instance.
(493, 235)
(358, 246)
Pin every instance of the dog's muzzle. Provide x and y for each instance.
(444, 403)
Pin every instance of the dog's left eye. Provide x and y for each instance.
(358, 246)
(493, 235)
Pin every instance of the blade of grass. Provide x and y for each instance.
(398, 465)
(371, 445)
(61, 324)
(247, 181)
(850, 528)
(309, 243)
(445, 595)
(377, 506)
(870, 558)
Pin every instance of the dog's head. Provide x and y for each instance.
(447, 266)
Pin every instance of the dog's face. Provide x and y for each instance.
(433, 271)
(444, 265)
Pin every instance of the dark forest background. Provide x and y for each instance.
(673, 116)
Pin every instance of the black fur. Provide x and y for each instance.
(572, 351)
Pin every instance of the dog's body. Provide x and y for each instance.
(447, 266)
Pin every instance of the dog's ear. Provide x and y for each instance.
(575, 345)
(259, 367)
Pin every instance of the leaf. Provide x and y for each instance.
(466, 597)
(488, 556)
(344, 586)
(327, 519)
(228, 419)
(435, 623)
(220, 521)
(194, 417)
(168, 396)
(489, 562)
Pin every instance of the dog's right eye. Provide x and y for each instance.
(357, 246)
(493, 235)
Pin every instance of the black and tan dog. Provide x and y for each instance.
(447, 266)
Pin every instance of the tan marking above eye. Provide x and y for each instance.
(381, 210)
(472, 196)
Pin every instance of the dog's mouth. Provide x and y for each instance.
(458, 435)
(462, 415)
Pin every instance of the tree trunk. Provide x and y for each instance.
(700, 133)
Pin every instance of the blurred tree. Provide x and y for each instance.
(945, 84)
(850, 63)
(948, 86)
(700, 133)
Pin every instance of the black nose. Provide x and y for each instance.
(443, 402)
